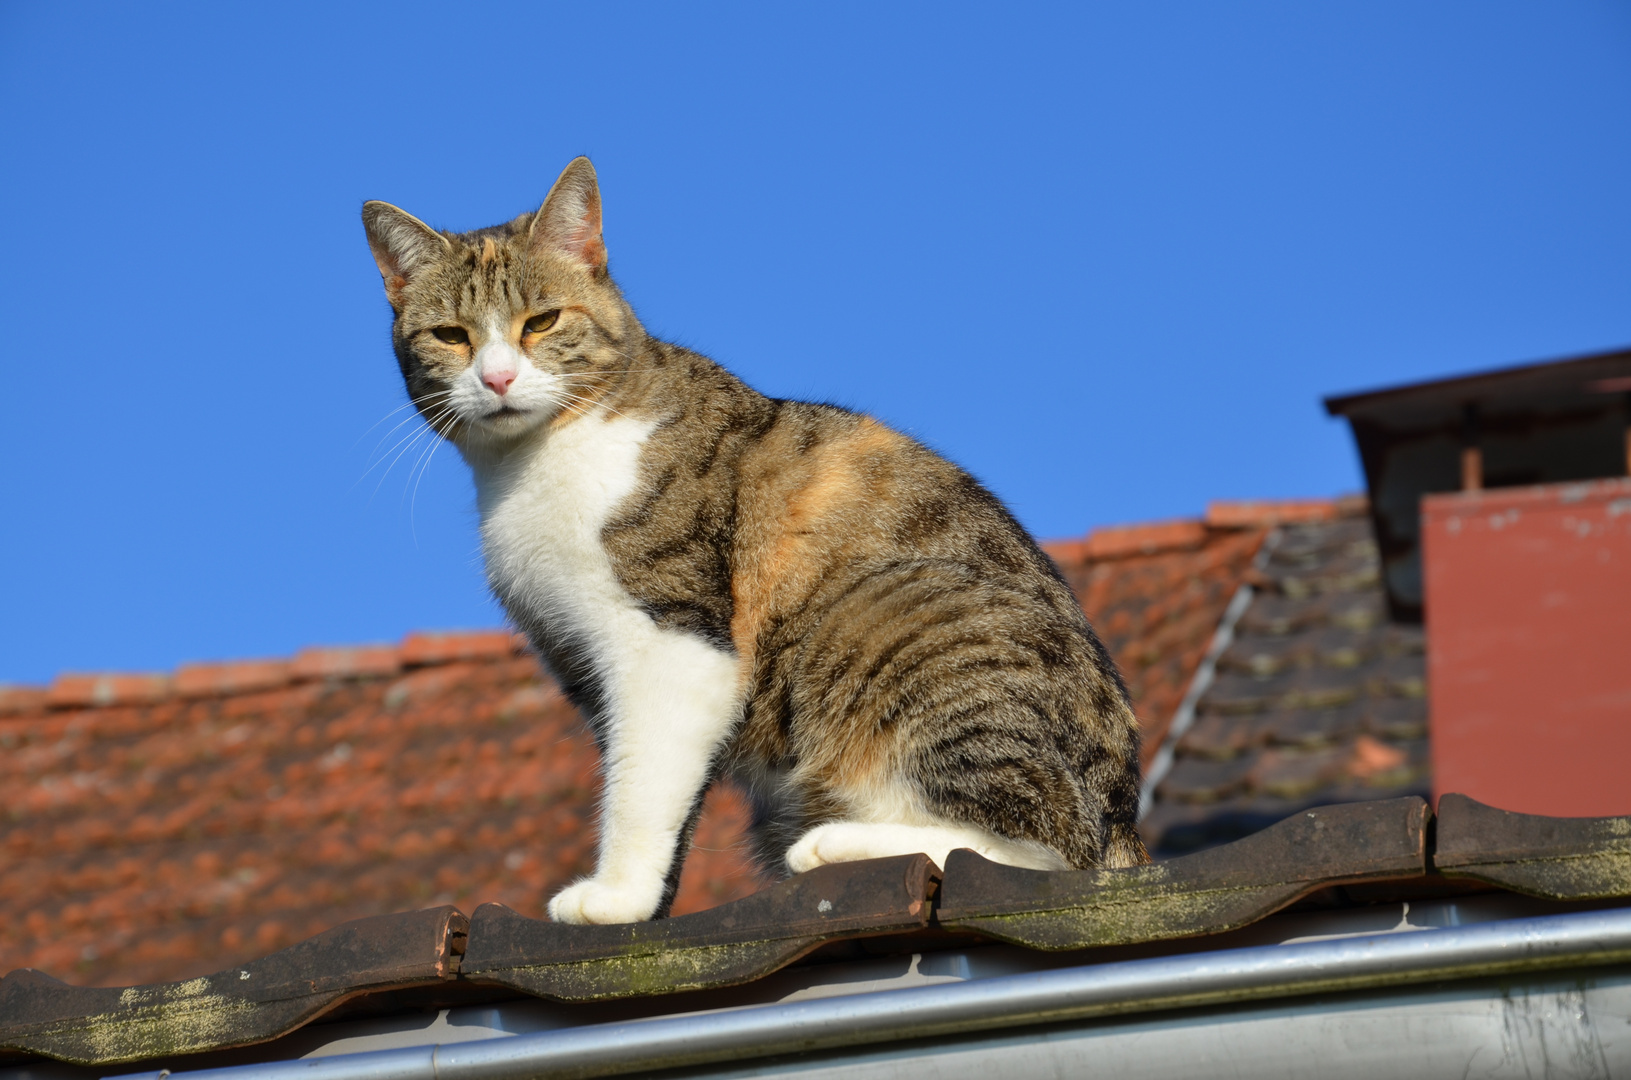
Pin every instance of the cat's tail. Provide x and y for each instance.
(1124, 847)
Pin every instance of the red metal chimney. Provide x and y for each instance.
(1528, 601)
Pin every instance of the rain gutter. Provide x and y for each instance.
(1197, 979)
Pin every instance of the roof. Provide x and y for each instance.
(1156, 592)
(1315, 698)
(1587, 377)
(164, 825)
(234, 851)
(1330, 858)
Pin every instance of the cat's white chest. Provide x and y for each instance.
(542, 512)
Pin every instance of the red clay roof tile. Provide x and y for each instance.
(430, 647)
(1262, 513)
(17, 699)
(234, 677)
(1117, 541)
(107, 689)
(1145, 539)
(346, 662)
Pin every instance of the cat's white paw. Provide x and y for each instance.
(851, 841)
(840, 841)
(591, 901)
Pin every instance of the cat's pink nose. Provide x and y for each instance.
(499, 381)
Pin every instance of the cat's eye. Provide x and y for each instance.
(539, 323)
(451, 335)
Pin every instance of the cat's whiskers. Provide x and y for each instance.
(417, 404)
(579, 380)
(423, 465)
(405, 405)
(394, 428)
(411, 442)
(584, 404)
(408, 443)
(380, 460)
(573, 408)
(447, 414)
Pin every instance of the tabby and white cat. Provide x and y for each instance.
(791, 594)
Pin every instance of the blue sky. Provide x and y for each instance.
(1106, 257)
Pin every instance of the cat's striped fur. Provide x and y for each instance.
(793, 594)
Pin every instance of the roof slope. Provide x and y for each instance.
(1155, 594)
(157, 841)
(1318, 700)
(161, 827)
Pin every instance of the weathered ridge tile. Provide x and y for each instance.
(905, 898)
(1204, 893)
(729, 944)
(256, 1001)
(1557, 858)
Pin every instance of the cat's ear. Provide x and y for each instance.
(569, 220)
(401, 244)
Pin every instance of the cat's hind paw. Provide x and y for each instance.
(844, 841)
(851, 841)
(593, 902)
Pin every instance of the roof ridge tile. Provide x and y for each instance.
(227, 678)
(1262, 513)
(213, 678)
(80, 689)
(346, 661)
(424, 647)
(1140, 538)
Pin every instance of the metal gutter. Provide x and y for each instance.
(1512, 947)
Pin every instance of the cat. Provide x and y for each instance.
(724, 583)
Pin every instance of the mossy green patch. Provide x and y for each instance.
(654, 971)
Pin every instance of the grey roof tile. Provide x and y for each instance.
(1195, 779)
(1221, 736)
(1321, 688)
(1293, 773)
(1263, 657)
(1237, 693)
(1319, 699)
(1396, 718)
(1273, 614)
(1314, 728)
(1400, 676)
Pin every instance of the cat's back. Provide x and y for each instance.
(827, 495)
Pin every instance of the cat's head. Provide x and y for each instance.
(503, 330)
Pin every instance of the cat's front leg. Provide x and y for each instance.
(671, 704)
